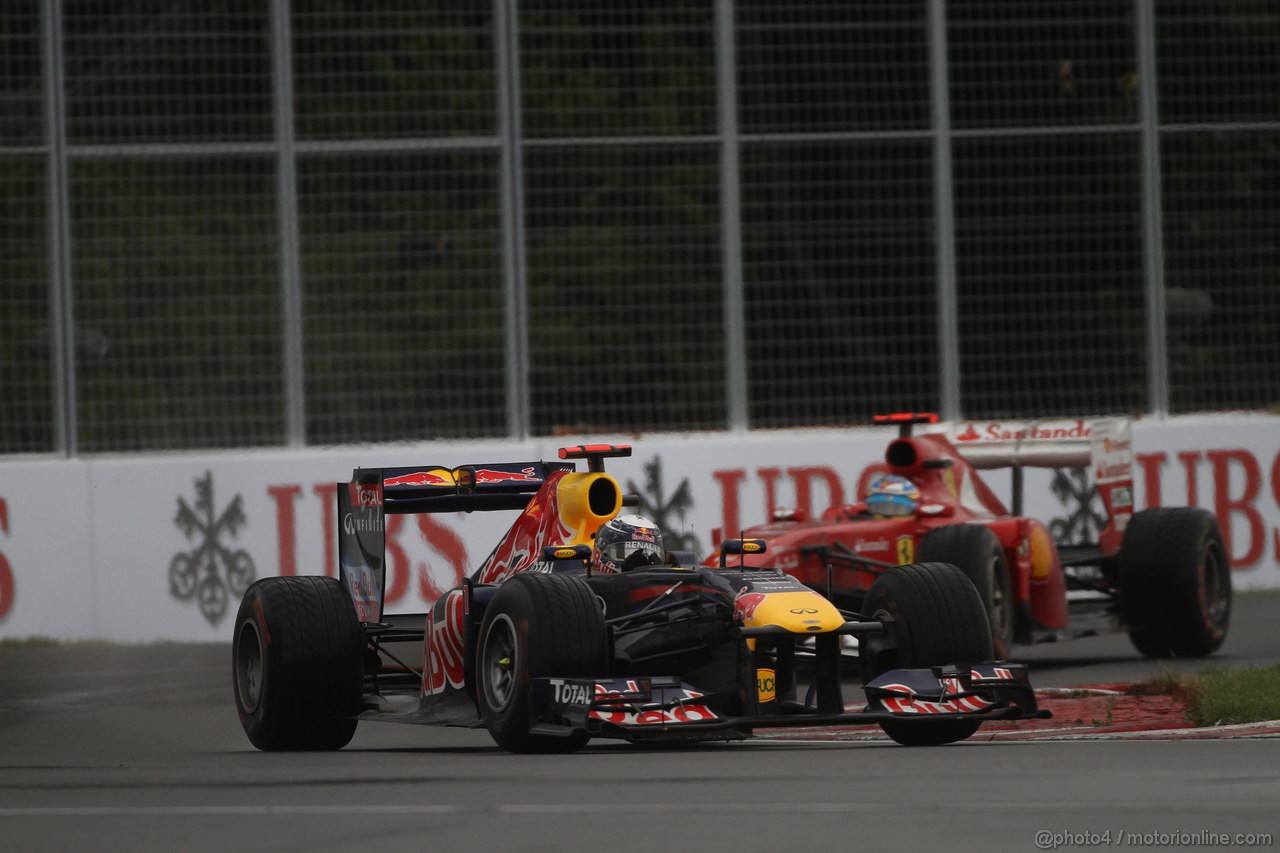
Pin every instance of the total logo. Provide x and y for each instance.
(573, 692)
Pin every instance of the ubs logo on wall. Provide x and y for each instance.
(210, 572)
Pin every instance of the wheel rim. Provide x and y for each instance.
(498, 664)
(1214, 583)
(249, 667)
(1000, 611)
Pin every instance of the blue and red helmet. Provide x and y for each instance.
(627, 542)
(892, 494)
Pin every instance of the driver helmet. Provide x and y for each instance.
(626, 542)
(892, 494)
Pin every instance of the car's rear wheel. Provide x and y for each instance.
(938, 619)
(297, 664)
(1175, 582)
(976, 551)
(536, 626)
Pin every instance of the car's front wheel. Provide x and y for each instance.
(976, 551)
(536, 626)
(937, 619)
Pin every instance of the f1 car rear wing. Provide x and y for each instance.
(1101, 445)
(580, 502)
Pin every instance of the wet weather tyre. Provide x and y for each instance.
(297, 664)
(1175, 582)
(938, 619)
(976, 551)
(536, 626)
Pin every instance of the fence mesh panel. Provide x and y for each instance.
(1218, 61)
(155, 71)
(21, 106)
(391, 69)
(622, 233)
(1049, 275)
(1222, 269)
(1049, 263)
(838, 260)
(825, 67)
(624, 289)
(177, 303)
(26, 418)
(26, 414)
(402, 295)
(837, 217)
(617, 69)
(1042, 64)
(1221, 184)
(601, 156)
(174, 251)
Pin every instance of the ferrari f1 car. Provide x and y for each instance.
(1161, 574)
(547, 653)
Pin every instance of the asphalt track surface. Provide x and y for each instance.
(108, 748)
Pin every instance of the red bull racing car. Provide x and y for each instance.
(1161, 574)
(546, 653)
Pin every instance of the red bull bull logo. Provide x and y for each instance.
(494, 475)
(437, 477)
(909, 703)
(744, 606)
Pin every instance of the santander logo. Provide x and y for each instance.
(1001, 431)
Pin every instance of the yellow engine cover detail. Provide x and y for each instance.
(799, 612)
(586, 501)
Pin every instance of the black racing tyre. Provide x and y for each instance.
(976, 551)
(938, 619)
(297, 664)
(536, 626)
(1175, 582)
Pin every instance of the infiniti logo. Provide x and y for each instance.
(362, 522)
(803, 610)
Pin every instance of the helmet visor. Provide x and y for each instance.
(891, 505)
(618, 552)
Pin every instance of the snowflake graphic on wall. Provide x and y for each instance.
(659, 508)
(1085, 517)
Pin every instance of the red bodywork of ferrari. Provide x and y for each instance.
(846, 548)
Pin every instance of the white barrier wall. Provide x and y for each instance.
(118, 548)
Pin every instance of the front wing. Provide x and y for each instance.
(665, 707)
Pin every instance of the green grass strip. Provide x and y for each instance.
(1223, 697)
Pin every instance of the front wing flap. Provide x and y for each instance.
(949, 690)
(664, 706)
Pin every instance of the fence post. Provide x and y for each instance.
(506, 21)
(944, 216)
(62, 327)
(295, 388)
(735, 344)
(1152, 222)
